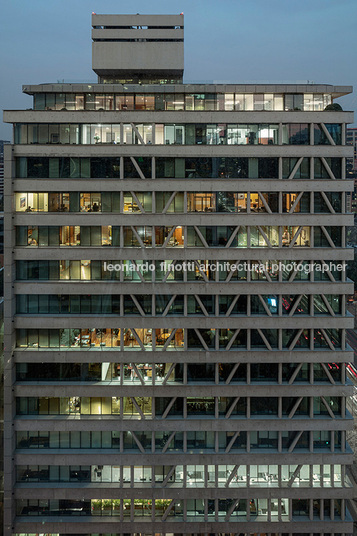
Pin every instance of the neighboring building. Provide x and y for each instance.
(191, 392)
(2, 143)
(2, 395)
(351, 169)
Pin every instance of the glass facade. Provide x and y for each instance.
(180, 168)
(201, 236)
(181, 339)
(170, 271)
(166, 202)
(198, 305)
(176, 134)
(182, 101)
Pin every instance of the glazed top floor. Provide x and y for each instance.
(184, 97)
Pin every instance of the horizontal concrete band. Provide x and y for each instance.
(229, 254)
(75, 218)
(83, 525)
(178, 88)
(233, 322)
(177, 424)
(87, 491)
(179, 185)
(128, 20)
(191, 390)
(113, 355)
(177, 117)
(184, 151)
(115, 33)
(95, 457)
(180, 288)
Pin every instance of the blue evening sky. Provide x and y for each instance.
(225, 40)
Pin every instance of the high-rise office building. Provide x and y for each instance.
(351, 169)
(175, 301)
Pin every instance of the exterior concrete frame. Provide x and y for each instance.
(333, 423)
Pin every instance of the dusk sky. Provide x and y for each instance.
(225, 40)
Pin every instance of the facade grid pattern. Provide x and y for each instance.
(175, 327)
